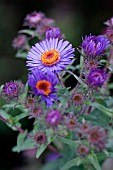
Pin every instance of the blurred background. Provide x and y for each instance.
(76, 18)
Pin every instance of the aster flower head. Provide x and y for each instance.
(53, 118)
(94, 45)
(33, 19)
(83, 150)
(53, 32)
(96, 135)
(19, 41)
(40, 138)
(85, 128)
(77, 98)
(50, 55)
(97, 77)
(11, 90)
(35, 112)
(30, 102)
(43, 85)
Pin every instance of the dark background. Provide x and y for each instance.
(76, 18)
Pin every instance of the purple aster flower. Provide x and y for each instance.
(35, 112)
(50, 55)
(77, 98)
(43, 85)
(12, 90)
(85, 128)
(94, 45)
(33, 19)
(97, 77)
(19, 41)
(96, 135)
(40, 138)
(83, 150)
(53, 118)
(53, 33)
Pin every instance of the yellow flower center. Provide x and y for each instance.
(50, 57)
(44, 86)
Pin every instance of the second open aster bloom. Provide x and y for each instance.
(43, 85)
(94, 45)
(50, 55)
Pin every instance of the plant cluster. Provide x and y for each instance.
(75, 122)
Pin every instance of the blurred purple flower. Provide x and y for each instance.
(19, 41)
(53, 118)
(52, 156)
(33, 19)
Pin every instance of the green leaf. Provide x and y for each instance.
(4, 114)
(102, 108)
(27, 31)
(93, 160)
(23, 143)
(41, 148)
(24, 95)
(21, 54)
(74, 162)
(68, 142)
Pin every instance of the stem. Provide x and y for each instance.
(60, 80)
(15, 126)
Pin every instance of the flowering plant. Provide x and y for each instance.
(74, 122)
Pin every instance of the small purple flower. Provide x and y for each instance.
(53, 32)
(19, 41)
(83, 150)
(97, 77)
(85, 128)
(35, 112)
(77, 98)
(94, 45)
(43, 85)
(33, 19)
(96, 135)
(40, 138)
(12, 90)
(50, 55)
(53, 118)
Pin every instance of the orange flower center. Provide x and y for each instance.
(44, 86)
(50, 58)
